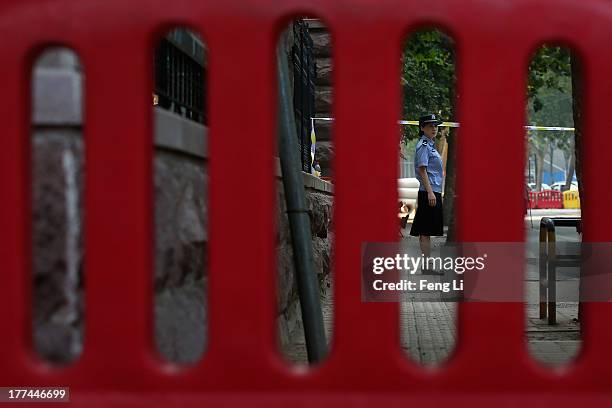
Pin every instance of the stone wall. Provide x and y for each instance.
(320, 203)
(181, 225)
(57, 206)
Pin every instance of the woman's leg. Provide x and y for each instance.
(425, 243)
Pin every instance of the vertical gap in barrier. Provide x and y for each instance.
(552, 215)
(306, 45)
(427, 320)
(180, 182)
(57, 205)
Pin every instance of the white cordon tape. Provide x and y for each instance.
(550, 128)
(456, 125)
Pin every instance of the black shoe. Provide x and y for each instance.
(404, 222)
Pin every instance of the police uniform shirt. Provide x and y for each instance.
(427, 155)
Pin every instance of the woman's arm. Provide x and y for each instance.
(431, 197)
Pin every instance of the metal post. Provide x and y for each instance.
(535, 169)
(552, 179)
(299, 221)
(542, 268)
(552, 275)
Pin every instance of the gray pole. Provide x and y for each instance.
(552, 179)
(299, 221)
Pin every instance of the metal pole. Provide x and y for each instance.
(548, 245)
(542, 268)
(552, 179)
(299, 221)
(552, 276)
(535, 170)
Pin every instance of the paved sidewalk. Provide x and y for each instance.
(295, 351)
(428, 333)
(428, 329)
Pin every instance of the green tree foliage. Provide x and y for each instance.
(428, 77)
(428, 86)
(428, 81)
(549, 92)
(549, 68)
(554, 109)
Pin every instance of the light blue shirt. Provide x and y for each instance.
(427, 155)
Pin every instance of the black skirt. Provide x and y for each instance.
(428, 220)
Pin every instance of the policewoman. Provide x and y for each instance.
(428, 169)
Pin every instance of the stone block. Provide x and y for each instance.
(323, 129)
(324, 72)
(324, 154)
(321, 43)
(323, 101)
(57, 97)
(57, 243)
(181, 322)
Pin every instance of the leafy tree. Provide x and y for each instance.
(550, 100)
(428, 86)
(549, 68)
(555, 109)
(428, 77)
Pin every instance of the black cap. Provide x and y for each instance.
(429, 119)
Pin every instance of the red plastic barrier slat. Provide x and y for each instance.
(118, 208)
(597, 332)
(364, 91)
(493, 45)
(15, 216)
(242, 249)
(495, 92)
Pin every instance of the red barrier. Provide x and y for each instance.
(549, 199)
(242, 367)
(533, 199)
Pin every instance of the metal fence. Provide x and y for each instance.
(304, 74)
(179, 75)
